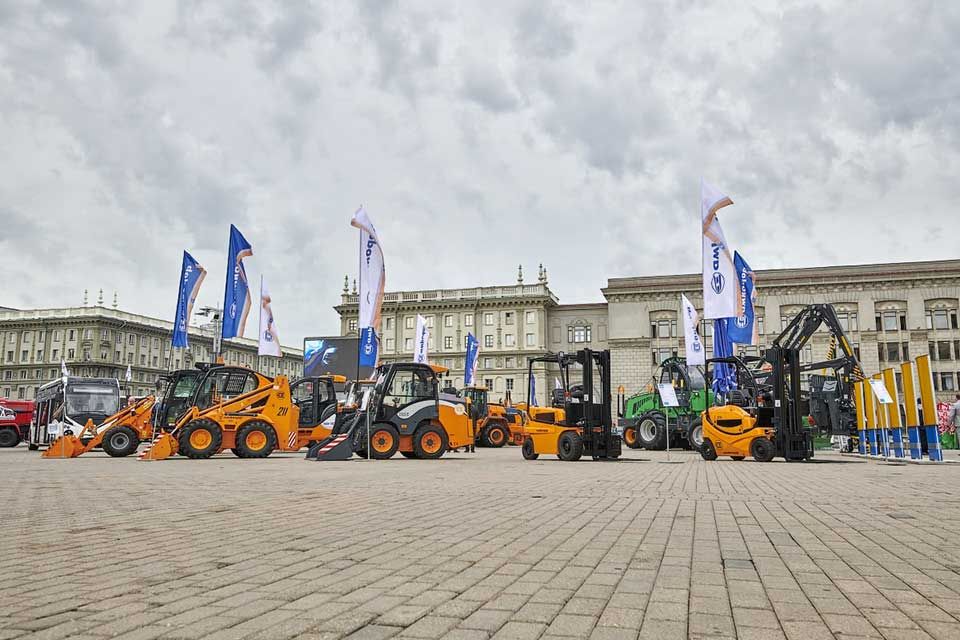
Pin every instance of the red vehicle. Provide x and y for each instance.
(15, 417)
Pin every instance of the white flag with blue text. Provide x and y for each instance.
(696, 354)
(269, 343)
(719, 274)
(372, 282)
(421, 342)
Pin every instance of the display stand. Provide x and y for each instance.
(668, 398)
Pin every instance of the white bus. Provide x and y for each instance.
(65, 405)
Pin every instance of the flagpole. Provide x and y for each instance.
(360, 330)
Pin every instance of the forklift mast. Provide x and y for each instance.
(597, 417)
(793, 440)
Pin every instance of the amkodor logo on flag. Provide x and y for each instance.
(741, 322)
(717, 280)
(371, 243)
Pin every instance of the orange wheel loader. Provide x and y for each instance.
(250, 414)
(119, 435)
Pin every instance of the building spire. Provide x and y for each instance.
(541, 274)
(84, 297)
(354, 286)
(100, 298)
(114, 299)
(519, 274)
(346, 284)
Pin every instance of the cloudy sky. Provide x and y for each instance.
(478, 135)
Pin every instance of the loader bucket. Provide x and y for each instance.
(64, 447)
(339, 447)
(162, 447)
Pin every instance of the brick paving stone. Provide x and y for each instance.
(486, 619)
(515, 630)
(572, 625)
(430, 627)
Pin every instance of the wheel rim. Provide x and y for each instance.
(6, 436)
(648, 430)
(565, 446)
(201, 439)
(496, 436)
(382, 441)
(696, 436)
(119, 440)
(630, 435)
(430, 443)
(256, 440)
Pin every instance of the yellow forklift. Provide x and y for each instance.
(584, 424)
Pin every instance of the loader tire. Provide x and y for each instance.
(496, 435)
(695, 434)
(630, 436)
(384, 441)
(429, 442)
(707, 450)
(652, 430)
(570, 446)
(762, 450)
(528, 450)
(120, 442)
(32, 447)
(9, 437)
(256, 440)
(200, 439)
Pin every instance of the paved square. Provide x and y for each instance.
(478, 546)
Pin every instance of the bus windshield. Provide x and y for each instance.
(82, 399)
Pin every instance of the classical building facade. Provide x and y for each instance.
(512, 323)
(101, 341)
(891, 312)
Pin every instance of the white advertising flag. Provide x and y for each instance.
(129, 375)
(372, 282)
(269, 340)
(696, 355)
(421, 341)
(719, 273)
(63, 368)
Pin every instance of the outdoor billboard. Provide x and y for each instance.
(337, 355)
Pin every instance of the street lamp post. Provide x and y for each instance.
(215, 314)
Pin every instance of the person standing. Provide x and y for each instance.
(954, 418)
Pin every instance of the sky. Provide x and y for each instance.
(478, 136)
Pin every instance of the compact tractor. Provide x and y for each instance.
(250, 414)
(406, 413)
(645, 419)
(766, 415)
(584, 425)
(491, 421)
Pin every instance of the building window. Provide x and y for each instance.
(578, 334)
(430, 322)
(893, 352)
(39, 355)
(24, 355)
(388, 324)
(9, 356)
(132, 340)
(408, 344)
(119, 339)
(509, 340)
(508, 317)
(466, 341)
(448, 342)
(531, 340)
(848, 320)
(448, 320)
(87, 334)
(488, 363)
(56, 354)
(488, 319)
(488, 383)
(351, 325)
(130, 360)
(892, 321)
(103, 354)
(946, 382)
(390, 344)
(941, 319)
(509, 384)
(943, 350)
(408, 322)
(488, 341)
(71, 353)
(531, 317)
(116, 356)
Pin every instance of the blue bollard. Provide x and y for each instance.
(872, 436)
(862, 445)
(913, 434)
(934, 452)
(885, 442)
(896, 442)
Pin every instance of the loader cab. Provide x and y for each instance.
(405, 388)
(687, 382)
(175, 390)
(316, 398)
(479, 401)
(223, 383)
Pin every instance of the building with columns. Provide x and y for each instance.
(891, 312)
(98, 341)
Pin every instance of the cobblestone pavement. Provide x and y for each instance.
(478, 546)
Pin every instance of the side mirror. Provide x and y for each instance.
(577, 394)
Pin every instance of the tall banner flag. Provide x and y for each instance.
(191, 277)
(719, 274)
(269, 343)
(63, 368)
(696, 354)
(129, 375)
(533, 392)
(743, 327)
(421, 342)
(372, 282)
(470, 364)
(236, 295)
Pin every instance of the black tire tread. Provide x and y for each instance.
(242, 432)
(183, 441)
(131, 448)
